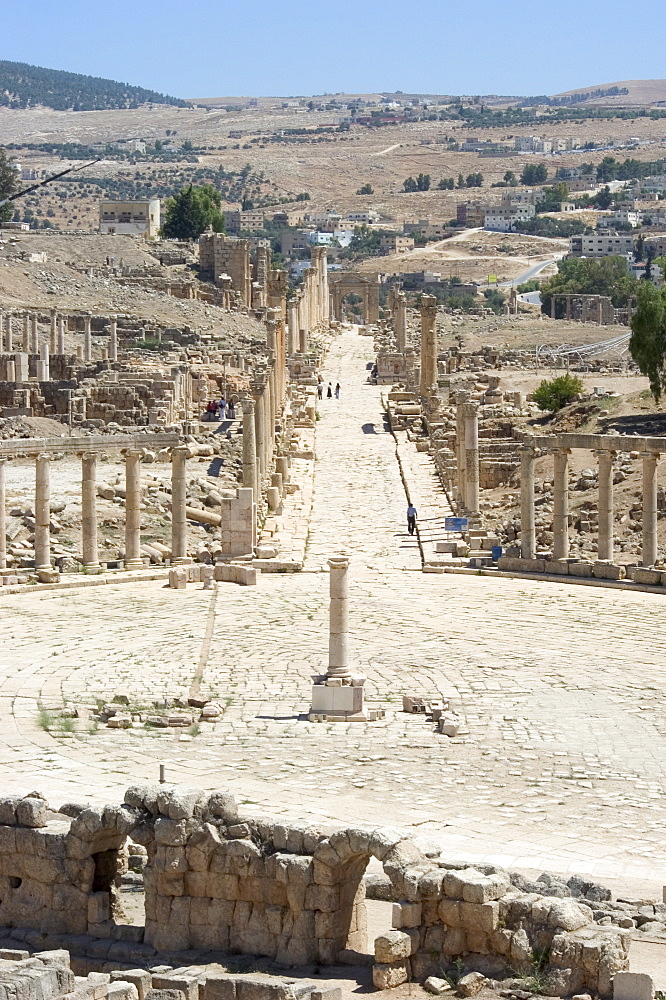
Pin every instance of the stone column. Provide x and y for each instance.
(8, 333)
(44, 361)
(87, 337)
(471, 415)
(292, 327)
(3, 516)
(527, 525)
(605, 544)
(400, 322)
(42, 514)
(89, 511)
(53, 332)
(249, 447)
(338, 629)
(260, 431)
(132, 509)
(561, 503)
(461, 399)
(34, 332)
(113, 339)
(428, 344)
(60, 347)
(178, 503)
(649, 551)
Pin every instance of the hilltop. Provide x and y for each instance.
(637, 93)
(25, 86)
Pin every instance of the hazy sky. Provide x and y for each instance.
(214, 48)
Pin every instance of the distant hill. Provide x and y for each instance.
(632, 93)
(24, 86)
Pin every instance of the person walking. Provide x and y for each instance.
(329, 391)
(222, 406)
(231, 410)
(337, 390)
(320, 390)
(411, 519)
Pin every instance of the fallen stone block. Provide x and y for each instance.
(392, 946)
(385, 976)
(138, 977)
(413, 704)
(471, 984)
(632, 986)
(449, 724)
(437, 986)
(178, 578)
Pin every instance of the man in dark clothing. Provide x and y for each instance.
(411, 519)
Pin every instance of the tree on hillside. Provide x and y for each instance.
(9, 185)
(409, 185)
(474, 180)
(558, 392)
(510, 179)
(534, 173)
(365, 189)
(446, 184)
(423, 182)
(647, 344)
(192, 211)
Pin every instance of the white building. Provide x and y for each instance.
(601, 245)
(503, 218)
(130, 218)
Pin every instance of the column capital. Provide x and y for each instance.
(87, 454)
(248, 405)
(655, 455)
(43, 456)
(605, 451)
(339, 562)
(560, 450)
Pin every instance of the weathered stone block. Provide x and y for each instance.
(140, 978)
(479, 916)
(187, 985)
(392, 946)
(449, 912)
(455, 881)
(633, 986)
(485, 888)
(406, 914)
(32, 812)
(471, 984)
(385, 976)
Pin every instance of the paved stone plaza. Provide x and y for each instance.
(559, 765)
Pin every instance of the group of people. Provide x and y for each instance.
(330, 391)
(220, 409)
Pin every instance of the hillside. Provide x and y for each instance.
(25, 86)
(641, 93)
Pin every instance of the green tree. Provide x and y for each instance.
(366, 189)
(446, 184)
(558, 392)
(192, 211)
(604, 198)
(534, 173)
(423, 182)
(647, 344)
(510, 179)
(474, 180)
(461, 181)
(590, 276)
(410, 185)
(9, 185)
(552, 197)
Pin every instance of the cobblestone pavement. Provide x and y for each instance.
(560, 762)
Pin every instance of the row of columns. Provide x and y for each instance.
(90, 552)
(605, 549)
(55, 343)
(310, 309)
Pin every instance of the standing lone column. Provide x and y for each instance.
(132, 509)
(61, 335)
(113, 339)
(338, 628)
(428, 344)
(30, 323)
(561, 503)
(605, 544)
(471, 431)
(42, 514)
(89, 511)
(8, 333)
(178, 503)
(3, 517)
(249, 447)
(53, 332)
(527, 524)
(649, 552)
(400, 322)
(87, 337)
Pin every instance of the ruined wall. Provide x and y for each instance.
(218, 881)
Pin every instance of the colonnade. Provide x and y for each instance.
(88, 449)
(606, 448)
(51, 342)
(310, 309)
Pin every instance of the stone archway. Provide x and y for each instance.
(367, 288)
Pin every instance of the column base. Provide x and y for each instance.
(182, 561)
(92, 568)
(48, 575)
(338, 699)
(134, 564)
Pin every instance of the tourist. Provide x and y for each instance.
(411, 519)
(329, 391)
(211, 410)
(337, 390)
(222, 406)
(320, 390)
(231, 410)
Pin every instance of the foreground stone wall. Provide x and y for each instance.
(217, 881)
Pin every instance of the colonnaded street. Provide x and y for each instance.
(559, 764)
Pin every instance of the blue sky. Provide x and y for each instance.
(212, 48)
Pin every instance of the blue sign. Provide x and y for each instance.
(456, 523)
